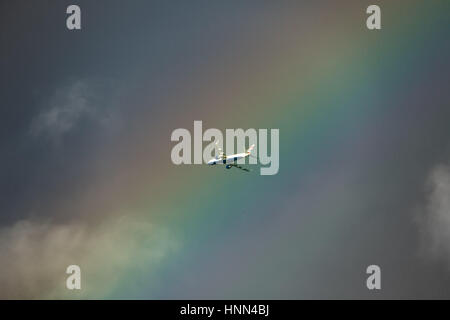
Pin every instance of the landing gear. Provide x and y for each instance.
(229, 166)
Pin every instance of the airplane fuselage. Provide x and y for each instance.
(228, 159)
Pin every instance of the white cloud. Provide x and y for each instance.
(34, 256)
(434, 219)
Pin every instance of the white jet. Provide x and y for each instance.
(231, 160)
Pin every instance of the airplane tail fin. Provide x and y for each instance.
(249, 150)
(219, 151)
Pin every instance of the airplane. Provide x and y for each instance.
(230, 161)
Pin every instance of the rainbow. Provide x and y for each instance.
(326, 86)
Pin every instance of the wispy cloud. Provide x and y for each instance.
(434, 218)
(69, 106)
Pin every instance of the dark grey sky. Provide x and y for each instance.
(83, 113)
